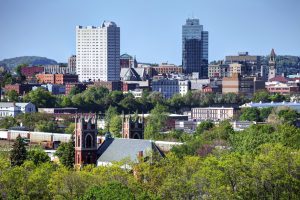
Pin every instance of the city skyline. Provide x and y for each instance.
(147, 30)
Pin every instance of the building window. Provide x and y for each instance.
(88, 141)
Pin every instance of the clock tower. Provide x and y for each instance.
(272, 65)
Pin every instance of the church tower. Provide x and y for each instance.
(272, 65)
(85, 141)
(133, 128)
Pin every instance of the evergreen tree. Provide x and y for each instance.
(18, 153)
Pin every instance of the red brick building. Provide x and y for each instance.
(57, 78)
(31, 71)
(167, 69)
(129, 86)
(283, 88)
(207, 89)
(20, 88)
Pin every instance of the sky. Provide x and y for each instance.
(150, 29)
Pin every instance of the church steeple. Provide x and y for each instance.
(85, 140)
(272, 56)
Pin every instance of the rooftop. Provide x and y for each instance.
(118, 149)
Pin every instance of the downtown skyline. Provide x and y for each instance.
(147, 31)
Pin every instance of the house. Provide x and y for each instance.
(13, 109)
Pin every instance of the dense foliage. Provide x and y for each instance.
(261, 162)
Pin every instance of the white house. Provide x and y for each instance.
(14, 109)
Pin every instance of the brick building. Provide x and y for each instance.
(241, 85)
(165, 68)
(31, 71)
(57, 78)
(20, 88)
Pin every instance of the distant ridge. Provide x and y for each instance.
(11, 63)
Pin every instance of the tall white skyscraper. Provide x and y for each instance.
(98, 52)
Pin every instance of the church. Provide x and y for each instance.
(90, 149)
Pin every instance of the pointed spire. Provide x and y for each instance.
(272, 55)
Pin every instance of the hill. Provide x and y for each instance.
(30, 60)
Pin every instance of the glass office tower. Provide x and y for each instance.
(194, 48)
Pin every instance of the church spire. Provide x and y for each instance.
(272, 55)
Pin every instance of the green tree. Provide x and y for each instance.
(222, 132)
(70, 129)
(38, 156)
(113, 191)
(18, 70)
(288, 116)
(12, 96)
(116, 125)
(273, 173)
(264, 113)
(129, 104)
(40, 98)
(31, 120)
(261, 95)
(18, 153)
(46, 126)
(156, 122)
(66, 101)
(250, 114)
(74, 90)
(250, 139)
(109, 114)
(204, 126)
(8, 122)
(65, 152)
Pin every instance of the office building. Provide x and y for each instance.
(194, 48)
(98, 52)
(184, 86)
(251, 64)
(167, 87)
(242, 85)
(56, 69)
(213, 113)
(218, 70)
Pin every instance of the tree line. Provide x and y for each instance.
(261, 162)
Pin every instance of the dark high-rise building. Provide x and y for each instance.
(194, 48)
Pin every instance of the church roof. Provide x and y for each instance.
(118, 149)
(132, 74)
(126, 56)
(280, 79)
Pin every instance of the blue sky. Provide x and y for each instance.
(150, 29)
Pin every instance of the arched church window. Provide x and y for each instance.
(88, 141)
